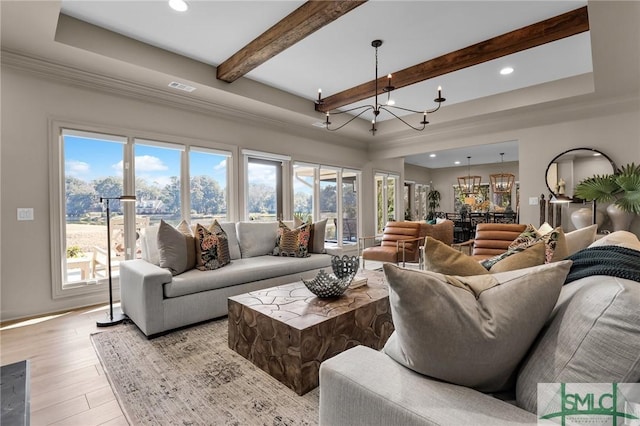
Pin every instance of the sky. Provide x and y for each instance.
(90, 159)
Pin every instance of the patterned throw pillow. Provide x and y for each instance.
(555, 245)
(212, 247)
(293, 242)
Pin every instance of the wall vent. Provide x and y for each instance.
(181, 86)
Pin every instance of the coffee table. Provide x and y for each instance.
(287, 331)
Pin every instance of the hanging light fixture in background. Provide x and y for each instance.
(377, 108)
(469, 185)
(502, 183)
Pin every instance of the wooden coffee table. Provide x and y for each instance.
(288, 332)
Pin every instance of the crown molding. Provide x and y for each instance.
(71, 76)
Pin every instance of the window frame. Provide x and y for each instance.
(57, 222)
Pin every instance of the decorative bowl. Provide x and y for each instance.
(345, 266)
(328, 285)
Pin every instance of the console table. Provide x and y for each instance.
(287, 331)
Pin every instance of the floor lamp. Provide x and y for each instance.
(117, 319)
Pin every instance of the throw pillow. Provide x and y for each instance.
(580, 238)
(441, 258)
(212, 247)
(471, 331)
(531, 256)
(176, 247)
(316, 240)
(554, 241)
(292, 242)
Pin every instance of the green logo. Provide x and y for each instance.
(605, 404)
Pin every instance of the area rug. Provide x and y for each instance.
(191, 377)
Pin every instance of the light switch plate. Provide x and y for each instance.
(533, 201)
(25, 213)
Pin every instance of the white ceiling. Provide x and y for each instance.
(334, 58)
(340, 56)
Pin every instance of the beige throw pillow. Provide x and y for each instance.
(531, 256)
(472, 331)
(580, 238)
(444, 259)
(441, 258)
(177, 247)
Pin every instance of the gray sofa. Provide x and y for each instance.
(158, 302)
(591, 336)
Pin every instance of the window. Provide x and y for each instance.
(86, 178)
(421, 209)
(264, 189)
(158, 184)
(386, 185)
(304, 179)
(171, 181)
(336, 190)
(350, 184)
(208, 170)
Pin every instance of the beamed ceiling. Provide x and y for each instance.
(270, 57)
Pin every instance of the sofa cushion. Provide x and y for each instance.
(242, 271)
(292, 242)
(618, 238)
(580, 238)
(318, 229)
(472, 331)
(229, 228)
(256, 238)
(176, 247)
(592, 336)
(212, 247)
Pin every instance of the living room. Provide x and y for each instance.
(58, 72)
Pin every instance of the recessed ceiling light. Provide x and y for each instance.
(456, 162)
(178, 5)
(506, 70)
(432, 155)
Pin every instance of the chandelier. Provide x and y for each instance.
(469, 185)
(377, 107)
(501, 183)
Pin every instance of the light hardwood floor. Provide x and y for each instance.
(68, 384)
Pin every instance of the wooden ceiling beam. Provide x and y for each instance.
(549, 30)
(300, 23)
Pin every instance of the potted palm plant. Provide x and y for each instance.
(622, 188)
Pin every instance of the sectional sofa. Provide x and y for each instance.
(590, 333)
(157, 302)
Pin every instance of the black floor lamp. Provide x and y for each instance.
(117, 319)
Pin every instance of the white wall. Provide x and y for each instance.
(30, 102)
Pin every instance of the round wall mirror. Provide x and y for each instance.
(571, 167)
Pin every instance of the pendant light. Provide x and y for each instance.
(501, 183)
(469, 185)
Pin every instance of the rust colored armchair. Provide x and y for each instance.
(493, 238)
(400, 243)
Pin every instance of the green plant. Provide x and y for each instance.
(621, 187)
(433, 202)
(74, 251)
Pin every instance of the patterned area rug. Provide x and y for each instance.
(191, 377)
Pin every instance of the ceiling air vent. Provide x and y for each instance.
(181, 86)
